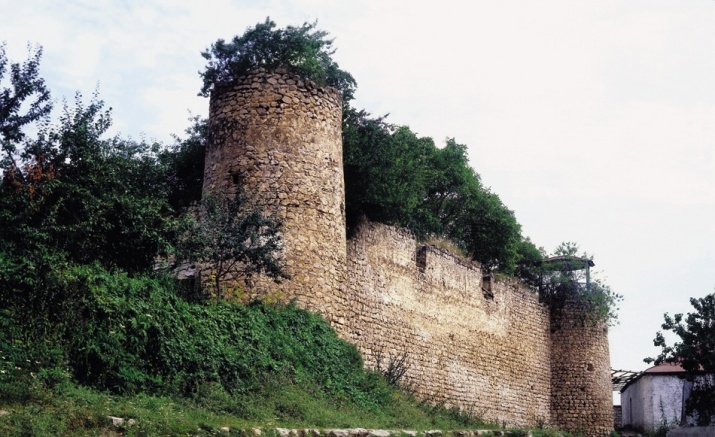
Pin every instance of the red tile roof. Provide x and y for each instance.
(665, 368)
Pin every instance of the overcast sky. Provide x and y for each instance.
(593, 120)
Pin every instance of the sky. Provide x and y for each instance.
(593, 121)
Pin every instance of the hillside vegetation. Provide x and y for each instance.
(115, 345)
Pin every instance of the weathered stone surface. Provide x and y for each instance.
(119, 421)
(581, 398)
(484, 346)
(490, 356)
(291, 164)
(283, 432)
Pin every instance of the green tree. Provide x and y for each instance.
(394, 176)
(25, 101)
(89, 197)
(184, 163)
(232, 238)
(694, 350)
(302, 50)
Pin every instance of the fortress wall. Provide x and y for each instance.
(483, 345)
(488, 352)
(279, 137)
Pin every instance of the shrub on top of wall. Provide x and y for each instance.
(301, 50)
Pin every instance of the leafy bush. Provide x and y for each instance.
(301, 50)
(184, 162)
(129, 334)
(566, 277)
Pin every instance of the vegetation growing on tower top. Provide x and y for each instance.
(303, 50)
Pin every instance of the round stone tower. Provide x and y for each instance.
(279, 137)
(581, 393)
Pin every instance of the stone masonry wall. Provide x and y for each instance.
(582, 399)
(279, 137)
(482, 346)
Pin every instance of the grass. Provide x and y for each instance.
(72, 410)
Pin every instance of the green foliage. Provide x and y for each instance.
(231, 237)
(86, 196)
(301, 50)
(173, 365)
(564, 278)
(395, 177)
(392, 175)
(25, 101)
(74, 410)
(528, 256)
(28, 363)
(695, 352)
(184, 163)
(130, 334)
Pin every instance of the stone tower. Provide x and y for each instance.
(279, 137)
(581, 393)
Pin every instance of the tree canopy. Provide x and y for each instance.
(566, 275)
(396, 177)
(694, 350)
(303, 50)
(392, 175)
(27, 90)
(90, 197)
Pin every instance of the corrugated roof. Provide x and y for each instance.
(621, 378)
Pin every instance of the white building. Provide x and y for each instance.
(656, 396)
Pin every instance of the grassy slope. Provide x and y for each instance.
(139, 351)
(75, 410)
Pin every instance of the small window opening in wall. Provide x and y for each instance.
(236, 178)
(487, 287)
(589, 367)
(421, 258)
